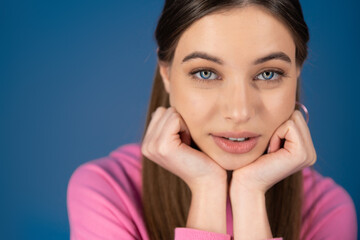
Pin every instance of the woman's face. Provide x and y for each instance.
(232, 72)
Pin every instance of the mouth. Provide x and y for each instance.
(236, 142)
(236, 135)
(237, 139)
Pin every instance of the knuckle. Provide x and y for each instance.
(297, 113)
(174, 116)
(157, 111)
(172, 110)
(144, 150)
(162, 150)
(160, 109)
(306, 158)
(152, 146)
(314, 159)
(311, 161)
(152, 150)
(291, 123)
(313, 156)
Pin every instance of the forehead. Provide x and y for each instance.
(239, 34)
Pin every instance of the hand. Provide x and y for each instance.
(166, 143)
(279, 163)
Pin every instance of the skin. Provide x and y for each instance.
(237, 102)
(236, 98)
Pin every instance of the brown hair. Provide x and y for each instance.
(166, 197)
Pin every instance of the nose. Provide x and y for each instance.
(237, 102)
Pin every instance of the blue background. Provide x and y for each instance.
(74, 74)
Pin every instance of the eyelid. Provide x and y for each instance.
(193, 72)
(280, 72)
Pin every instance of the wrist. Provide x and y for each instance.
(242, 190)
(209, 184)
(242, 184)
(250, 204)
(208, 207)
(242, 194)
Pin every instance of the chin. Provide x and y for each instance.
(229, 166)
(229, 161)
(234, 162)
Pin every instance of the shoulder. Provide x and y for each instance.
(323, 191)
(120, 168)
(327, 208)
(105, 193)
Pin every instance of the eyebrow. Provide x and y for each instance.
(202, 55)
(272, 56)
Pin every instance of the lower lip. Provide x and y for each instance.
(235, 147)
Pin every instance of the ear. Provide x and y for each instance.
(164, 69)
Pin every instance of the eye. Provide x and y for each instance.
(270, 75)
(205, 75)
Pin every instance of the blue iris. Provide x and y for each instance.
(268, 75)
(205, 74)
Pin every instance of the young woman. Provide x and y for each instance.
(226, 152)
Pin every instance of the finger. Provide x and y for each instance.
(184, 131)
(287, 131)
(306, 136)
(275, 140)
(159, 129)
(298, 118)
(175, 129)
(155, 117)
(147, 144)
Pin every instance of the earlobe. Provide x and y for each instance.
(164, 70)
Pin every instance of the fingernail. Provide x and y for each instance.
(268, 150)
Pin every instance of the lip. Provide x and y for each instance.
(236, 147)
(236, 134)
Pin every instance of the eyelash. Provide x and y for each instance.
(280, 73)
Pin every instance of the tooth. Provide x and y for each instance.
(237, 139)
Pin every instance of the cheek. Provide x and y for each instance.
(194, 105)
(280, 105)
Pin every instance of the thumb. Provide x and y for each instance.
(283, 136)
(184, 132)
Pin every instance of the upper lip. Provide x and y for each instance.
(236, 134)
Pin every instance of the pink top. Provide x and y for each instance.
(104, 202)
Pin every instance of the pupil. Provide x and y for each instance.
(206, 74)
(268, 75)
